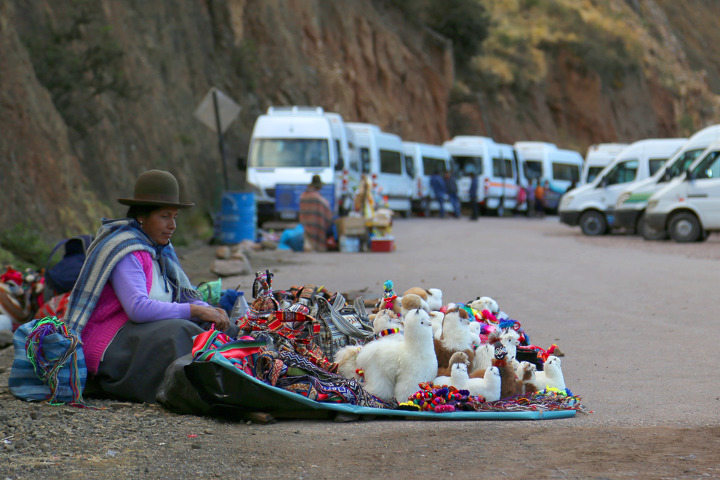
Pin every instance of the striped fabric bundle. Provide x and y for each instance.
(242, 352)
(49, 363)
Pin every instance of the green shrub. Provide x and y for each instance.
(24, 245)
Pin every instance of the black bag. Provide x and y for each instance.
(62, 276)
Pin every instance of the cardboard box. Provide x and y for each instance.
(351, 226)
(382, 244)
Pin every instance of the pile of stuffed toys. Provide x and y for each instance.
(423, 346)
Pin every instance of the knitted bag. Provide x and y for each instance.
(49, 363)
(341, 324)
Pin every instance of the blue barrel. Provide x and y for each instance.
(238, 217)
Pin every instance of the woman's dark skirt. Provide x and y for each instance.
(134, 363)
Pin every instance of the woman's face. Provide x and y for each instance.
(159, 224)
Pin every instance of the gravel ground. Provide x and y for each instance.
(636, 320)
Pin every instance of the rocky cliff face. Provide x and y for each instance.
(92, 93)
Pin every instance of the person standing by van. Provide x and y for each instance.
(539, 199)
(474, 207)
(530, 194)
(316, 216)
(452, 192)
(437, 184)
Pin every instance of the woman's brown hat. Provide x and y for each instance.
(156, 188)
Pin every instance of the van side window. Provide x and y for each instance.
(498, 167)
(655, 163)
(364, 160)
(409, 166)
(467, 165)
(339, 152)
(390, 162)
(623, 172)
(431, 164)
(566, 171)
(509, 170)
(709, 167)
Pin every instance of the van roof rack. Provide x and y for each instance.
(294, 110)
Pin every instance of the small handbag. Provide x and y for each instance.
(49, 363)
(341, 324)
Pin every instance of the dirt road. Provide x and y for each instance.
(637, 322)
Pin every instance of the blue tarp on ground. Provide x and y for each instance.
(221, 383)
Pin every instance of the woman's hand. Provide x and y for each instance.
(218, 316)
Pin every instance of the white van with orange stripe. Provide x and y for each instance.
(495, 166)
(559, 167)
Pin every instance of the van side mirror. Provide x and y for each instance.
(242, 163)
(689, 175)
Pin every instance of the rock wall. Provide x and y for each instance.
(344, 55)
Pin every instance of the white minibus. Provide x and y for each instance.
(381, 156)
(544, 162)
(688, 207)
(630, 207)
(290, 144)
(494, 166)
(593, 206)
(426, 160)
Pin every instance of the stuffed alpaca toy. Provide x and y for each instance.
(456, 337)
(525, 372)
(506, 339)
(432, 297)
(393, 366)
(443, 377)
(436, 318)
(386, 322)
(485, 303)
(489, 386)
(551, 376)
(411, 301)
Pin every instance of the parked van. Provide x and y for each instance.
(425, 159)
(289, 145)
(598, 157)
(630, 207)
(495, 167)
(543, 162)
(593, 206)
(381, 156)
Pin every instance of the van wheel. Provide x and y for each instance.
(684, 227)
(647, 232)
(593, 223)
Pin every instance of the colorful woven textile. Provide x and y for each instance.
(242, 352)
(296, 373)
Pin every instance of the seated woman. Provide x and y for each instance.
(133, 306)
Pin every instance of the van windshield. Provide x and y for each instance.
(682, 163)
(533, 169)
(593, 172)
(623, 172)
(468, 165)
(290, 152)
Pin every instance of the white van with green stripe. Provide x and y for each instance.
(631, 204)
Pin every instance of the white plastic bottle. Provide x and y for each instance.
(240, 307)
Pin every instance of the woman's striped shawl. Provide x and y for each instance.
(114, 240)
